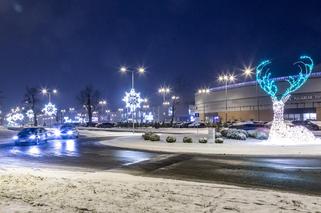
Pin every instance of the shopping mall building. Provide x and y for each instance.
(247, 101)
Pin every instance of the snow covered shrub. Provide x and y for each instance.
(170, 139)
(219, 140)
(224, 132)
(260, 133)
(187, 140)
(218, 135)
(147, 135)
(154, 137)
(237, 134)
(202, 140)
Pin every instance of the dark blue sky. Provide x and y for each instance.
(70, 43)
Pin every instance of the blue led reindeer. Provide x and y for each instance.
(280, 132)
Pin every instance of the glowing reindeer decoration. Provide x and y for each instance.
(280, 132)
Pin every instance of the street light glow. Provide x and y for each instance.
(248, 71)
(44, 91)
(123, 69)
(141, 69)
(55, 91)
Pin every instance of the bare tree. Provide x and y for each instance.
(32, 102)
(89, 98)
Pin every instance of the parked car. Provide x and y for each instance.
(197, 124)
(183, 124)
(66, 131)
(34, 135)
(308, 124)
(105, 125)
(247, 125)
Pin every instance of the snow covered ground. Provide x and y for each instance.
(26, 190)
(236, 147)
(6, 135)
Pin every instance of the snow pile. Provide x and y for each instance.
(56, 191)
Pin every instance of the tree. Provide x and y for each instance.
(89, 98)
(32, 101)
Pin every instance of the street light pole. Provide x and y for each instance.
(141, 70)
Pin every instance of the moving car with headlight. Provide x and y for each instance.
(66, 131)
(34, 135)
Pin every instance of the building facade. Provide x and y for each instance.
(247, 101)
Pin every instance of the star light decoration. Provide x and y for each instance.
(49, 109)
(280, 132)
(132, 100)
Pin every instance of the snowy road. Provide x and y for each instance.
(301, 174)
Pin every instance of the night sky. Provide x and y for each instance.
(68, 44)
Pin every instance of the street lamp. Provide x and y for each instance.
(102, 104)
(248, 72)
(204, 91)
(132, 98)
(48, 92)
(139, 70)
(226, 78)
(164, 90)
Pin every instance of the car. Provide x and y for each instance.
(196, 124)
(66, 131)
(105, 125)
(308, 124)
(34, 135)
(247, 125)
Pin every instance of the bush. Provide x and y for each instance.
(260, 133)
(154, 137)
(187, 140)
(202, 140)
(147, 135)
(219, 140)
(224, 132)
(237, 134)
(170, 139)
(218, 135)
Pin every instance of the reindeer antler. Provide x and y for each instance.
(297, 81)
(264, 80)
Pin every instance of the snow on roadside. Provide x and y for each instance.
(59, 191)
(230, 146)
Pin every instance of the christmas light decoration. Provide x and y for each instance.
(14, 117)
(280, 132)
(49, 109)
(30, 114)
(132, 100)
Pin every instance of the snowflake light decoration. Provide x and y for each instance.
(132, 100)
(49, 109)
(14, 117)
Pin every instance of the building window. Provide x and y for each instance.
(309, 116)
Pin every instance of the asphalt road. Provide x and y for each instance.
(298, 174)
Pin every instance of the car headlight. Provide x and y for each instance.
(15, 137)
(32, 137)
(57, 132)
(69, 132)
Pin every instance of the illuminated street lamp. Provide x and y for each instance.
(139, 70)
(102, 104)
(132, 98)
(248, 72)
(205, 91)
(226, 79)
(49, 93)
